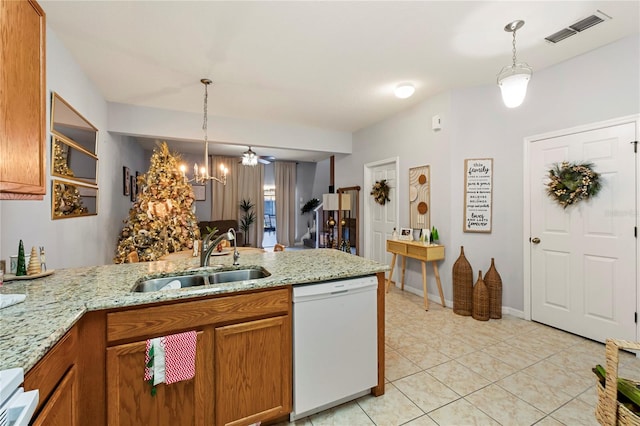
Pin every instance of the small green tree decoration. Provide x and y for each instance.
(248, 218)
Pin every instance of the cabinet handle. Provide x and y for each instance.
(535, 240)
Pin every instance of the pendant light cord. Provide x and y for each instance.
(514, 49)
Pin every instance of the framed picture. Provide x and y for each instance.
(478, 195)
(126, 185)
(199, 192)
(406, 234)
(134, 189)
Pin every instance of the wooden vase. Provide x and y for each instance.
(494, 284)
(480, 300)
(462, 285)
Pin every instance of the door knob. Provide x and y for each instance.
(535, 240)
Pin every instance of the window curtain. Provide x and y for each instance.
(224, 198)
(285, 176)
(243, 182)
(251, 187)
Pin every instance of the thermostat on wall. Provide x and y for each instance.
(435, 123)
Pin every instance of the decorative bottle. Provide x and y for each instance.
(394, 234)
(462, 285)
(480, 300)
(494, 283)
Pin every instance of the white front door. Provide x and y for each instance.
(380, 219)
(583, 269)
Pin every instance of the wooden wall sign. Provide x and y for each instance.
(419, 197)
(478, 194)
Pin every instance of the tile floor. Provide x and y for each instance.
(445, 369)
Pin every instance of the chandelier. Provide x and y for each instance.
(249, 158)
(201, 174)
(513, 79)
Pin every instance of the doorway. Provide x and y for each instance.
(380, 220)
(269, 238)
(581, 261)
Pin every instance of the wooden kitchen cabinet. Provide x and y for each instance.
(62, 408)
(56, 378)
(243, 361)
(129, 399)
(22, 100)
(253, 371)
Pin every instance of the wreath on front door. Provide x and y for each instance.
(572, 182)
(380, 192)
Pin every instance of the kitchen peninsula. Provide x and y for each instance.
(81, 333)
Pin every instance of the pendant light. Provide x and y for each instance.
(513, 79)
(201, 175)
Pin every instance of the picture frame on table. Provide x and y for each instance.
(406, 234)
(126, 185)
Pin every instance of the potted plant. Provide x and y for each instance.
(248, 218)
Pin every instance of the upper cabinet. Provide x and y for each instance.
(22, 100)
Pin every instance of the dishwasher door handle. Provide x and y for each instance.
(340, 292)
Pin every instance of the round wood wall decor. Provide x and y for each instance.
(422, 207)
(422, 179)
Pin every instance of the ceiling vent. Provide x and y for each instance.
(579, 26)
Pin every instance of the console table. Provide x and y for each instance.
(423, 252)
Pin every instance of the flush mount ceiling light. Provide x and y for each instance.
(513, 79)
(404, 90)
(249, 158)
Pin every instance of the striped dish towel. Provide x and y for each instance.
(180, 356)
(171, 359)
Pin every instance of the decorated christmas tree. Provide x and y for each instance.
(161, 221)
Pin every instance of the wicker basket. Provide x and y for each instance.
(480, 300)
(494, 284)
(462, 275)
(609, 411)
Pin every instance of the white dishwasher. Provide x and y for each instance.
(335, 343)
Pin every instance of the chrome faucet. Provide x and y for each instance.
(236, 255)
(207, 248)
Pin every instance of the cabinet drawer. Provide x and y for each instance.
(160, 320)
(46, 374)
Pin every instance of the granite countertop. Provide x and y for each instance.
(54, 303)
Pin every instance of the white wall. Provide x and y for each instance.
(165, 124)
(305, 177)
(76, 241)
(596, 86)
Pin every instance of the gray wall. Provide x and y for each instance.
(76, 241)
(596, 86)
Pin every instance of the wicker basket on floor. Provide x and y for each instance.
(609, 411)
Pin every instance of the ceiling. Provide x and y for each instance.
(324, 64)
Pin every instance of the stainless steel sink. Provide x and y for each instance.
(170, 283)
(210, 277)
(220, 277)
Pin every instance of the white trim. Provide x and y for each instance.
(435, 298)
(368, 183)
(526, 224)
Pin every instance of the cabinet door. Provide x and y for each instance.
(129, 399)
(22, 100)
(62, 407)
(253, 371)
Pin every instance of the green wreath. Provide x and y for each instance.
(380, 192)
(572, 182)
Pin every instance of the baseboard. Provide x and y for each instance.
(449, 303)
